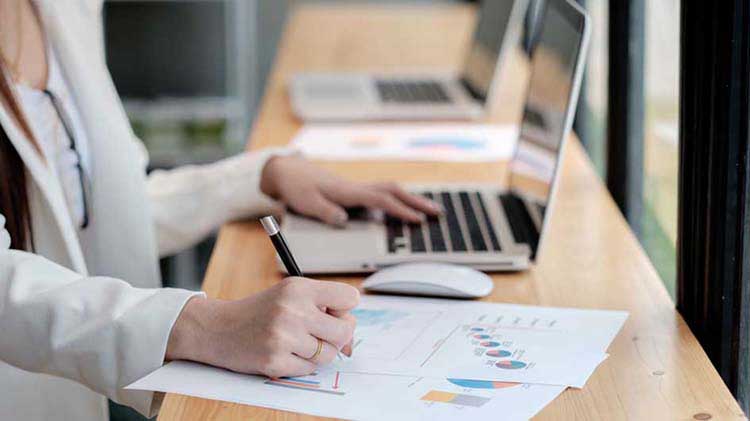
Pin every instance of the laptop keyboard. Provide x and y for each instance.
(411, 91)
(464, 226)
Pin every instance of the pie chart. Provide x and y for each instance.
(498, 353)
(482, 336)
(491, 344)
(510, 364)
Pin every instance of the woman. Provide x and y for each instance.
(82, 227)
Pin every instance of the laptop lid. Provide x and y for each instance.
(499, 25)
(557, 63)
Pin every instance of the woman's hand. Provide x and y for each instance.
(312, 191)
(274, 333)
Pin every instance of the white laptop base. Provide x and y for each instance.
(363, 245)
(329, 97)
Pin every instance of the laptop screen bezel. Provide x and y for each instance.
(507, 37)
(578, 18)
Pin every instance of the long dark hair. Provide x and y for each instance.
(14, 194)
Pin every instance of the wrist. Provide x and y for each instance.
(268, 177)
(189, 336)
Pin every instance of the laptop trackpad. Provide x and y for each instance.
(337, 88)
(312, 240)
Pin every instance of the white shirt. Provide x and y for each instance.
(82, 315)
(50, 133)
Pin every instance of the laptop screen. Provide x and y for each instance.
(547, 109)
(481, 60)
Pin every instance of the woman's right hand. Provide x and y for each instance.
(273, 333)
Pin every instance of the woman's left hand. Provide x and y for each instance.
(315, 192)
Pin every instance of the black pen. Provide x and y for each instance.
(282, 249)
(272, 229)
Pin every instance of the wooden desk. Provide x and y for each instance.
(657, 369)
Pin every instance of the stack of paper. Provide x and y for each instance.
(410, 142)
(427, 359)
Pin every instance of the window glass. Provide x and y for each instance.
(591, 124)
(661, 84)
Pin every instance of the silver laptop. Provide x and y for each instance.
(416, 96)
(484, 226)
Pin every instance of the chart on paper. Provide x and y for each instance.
(490, 342)
(329, 382)
(358, 396)
(431, 142)
(389, 333)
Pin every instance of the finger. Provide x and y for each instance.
(352, 194)
(293, 366)
(345, 315)
(418, 202)
(334, 295)
(336, 331)
(317, 206)
(308, 346)
(393, 206)
(376, 199)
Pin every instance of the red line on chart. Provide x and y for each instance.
(438, 345)
(336, 382)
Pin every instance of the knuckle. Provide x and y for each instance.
(383, 200)
(391, 186)
(293, 287)
(274, 341)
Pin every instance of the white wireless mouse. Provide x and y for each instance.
(430, 279)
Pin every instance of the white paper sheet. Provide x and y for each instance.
(436, 142)
(484, 341)
(398, 321)
(357, 396)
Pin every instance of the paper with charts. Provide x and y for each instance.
(389, 329)
(482, 341)
(330, 393)
(407, 142)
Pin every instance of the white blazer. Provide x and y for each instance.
(82, 317)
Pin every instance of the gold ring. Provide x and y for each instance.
(317, 351)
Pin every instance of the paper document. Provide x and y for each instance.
(404, 335)
(357, 396)
(436, 142)
(483, 341)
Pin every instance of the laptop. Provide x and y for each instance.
(484, 226)
(412, 95)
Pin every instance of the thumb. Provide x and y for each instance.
(319, 207)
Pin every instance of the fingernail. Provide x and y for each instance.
(436, 207)
(340, 218)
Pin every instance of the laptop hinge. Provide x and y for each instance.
(521, 224)
(479, 96)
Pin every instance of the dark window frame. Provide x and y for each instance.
(626, 108)
(713, 244)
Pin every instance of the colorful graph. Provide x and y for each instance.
(367, 317)
(482, 384)
(455, 398)
(490, 344)
(498, 353)
(308, 383)
(510, 364)
(482, 336)
(446, 143)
